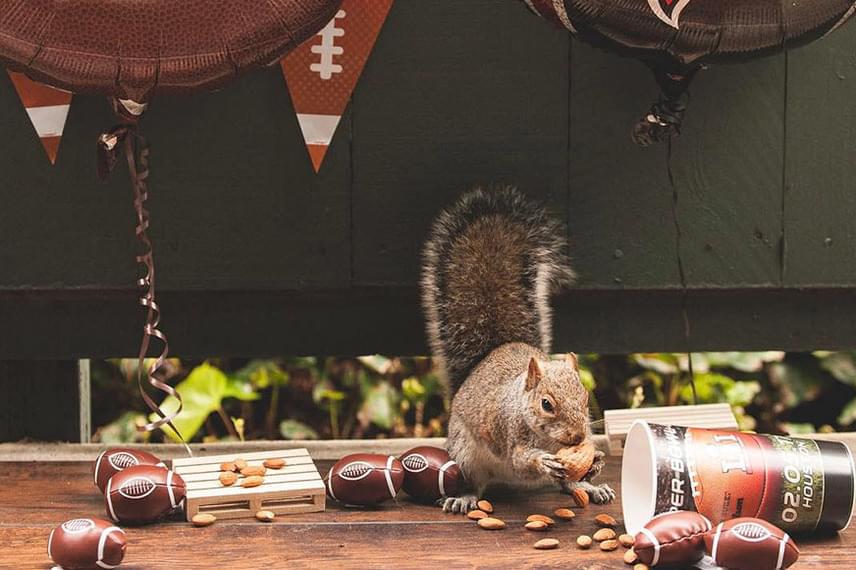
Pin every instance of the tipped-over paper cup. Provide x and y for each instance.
(799, 485)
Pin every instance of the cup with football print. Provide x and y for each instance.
(800, 485)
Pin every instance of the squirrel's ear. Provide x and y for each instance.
(571, 358)
(534, 374)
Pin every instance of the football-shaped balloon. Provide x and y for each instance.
(113, 460)
(751, 544)
(429, 473)
(86, 543)
(672, 538)
(365, 479)
(143, 493)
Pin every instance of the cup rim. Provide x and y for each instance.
(638, 499)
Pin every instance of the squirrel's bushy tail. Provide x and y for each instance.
(489, 266)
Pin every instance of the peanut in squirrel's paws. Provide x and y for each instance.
(459, 505)
(552, 467)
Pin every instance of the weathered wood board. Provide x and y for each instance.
(296, 488)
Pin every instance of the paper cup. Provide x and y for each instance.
(799, 485)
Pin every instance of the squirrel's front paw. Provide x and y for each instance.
(599, 494)
(460, 505)
(552, 467)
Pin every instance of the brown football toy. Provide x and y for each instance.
(577, 460)
(113, 460)
(429, 473)
(365, 479)
(143, 493)
(672, 538)
(751, 544)
(86, 543)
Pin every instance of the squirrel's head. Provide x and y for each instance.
(558, 402)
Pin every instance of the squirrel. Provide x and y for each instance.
(490, 264)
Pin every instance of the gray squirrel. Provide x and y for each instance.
(490, 264)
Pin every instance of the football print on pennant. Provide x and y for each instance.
(322, 72)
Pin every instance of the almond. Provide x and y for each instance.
(641, 566)
(476, 515)
(252, 481)
(228, 478)
(536, 525)
(626, 540)
(609, 545)
(605, 520)
(547, 544)
(581, 498)
(584, 541)
(228, 467)
(490, 523)
(485, 506)
(203, 519)
(240, 464)
(630, 557)
(604, 534)
(564, 514)
(253, 470)
(265, 516)
(274, 463)
(541, 518)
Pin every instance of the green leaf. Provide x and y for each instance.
(661, 362)
(413, 389)
(380, 406)
(587, 379)
(743, 361)
(262, 374)
(798, 429)
(848, 414)
(202, 393)
(293, 429)
(797, 384)
(240, 390)
(742, 393)
(123, 430)
(380, 364)
(841, 365)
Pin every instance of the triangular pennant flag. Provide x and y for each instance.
(322, 72)
(47, 108)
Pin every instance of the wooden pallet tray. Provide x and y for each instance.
(296, 488)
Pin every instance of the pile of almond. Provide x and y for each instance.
(253, 475)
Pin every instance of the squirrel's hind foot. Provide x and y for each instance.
(459, 505)
(598, 494)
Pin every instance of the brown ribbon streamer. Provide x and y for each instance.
(126, 137)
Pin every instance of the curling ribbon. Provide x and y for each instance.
(126, 137)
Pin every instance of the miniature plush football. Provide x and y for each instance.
(672, 538)
(577, 460)
(365, 479)
(429, 473)
(113, 460)
(751, 544)
(143, 493)
(86, 543)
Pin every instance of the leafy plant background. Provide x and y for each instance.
(378, 396)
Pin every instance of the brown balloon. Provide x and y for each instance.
(136, 48)
(86, 543)
(675, 37)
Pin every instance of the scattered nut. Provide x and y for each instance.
(490, 523)
(604, 534)
(240, 464)
(536, 525)
(228, 478)
(581, 498)
(228, 467)
(626, 540)
(476, 515)
(274, 463)
(641, 566)
(564, 514)
(577, 460)
(630, 557)
(547, 544)
(546, 520)
(252, 481)
(584, 541)
(609, 545)
(485, 506)
(605, 520)
(253, 470)
(265, 516)
(203, 519)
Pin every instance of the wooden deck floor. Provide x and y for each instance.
(34, 497)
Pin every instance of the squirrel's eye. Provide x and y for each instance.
(547, 405)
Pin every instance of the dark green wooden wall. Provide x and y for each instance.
(746, 233)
